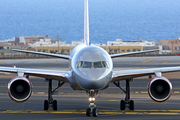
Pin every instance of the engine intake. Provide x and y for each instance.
(160, 89)
(19, 89)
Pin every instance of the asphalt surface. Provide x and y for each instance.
(137, 86)
(74, 107)
(73, 104)
(119, 63)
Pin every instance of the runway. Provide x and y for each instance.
(118, 63)
(74, 107)
(40, 86)
(73, 104)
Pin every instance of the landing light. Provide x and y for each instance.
(92, 99)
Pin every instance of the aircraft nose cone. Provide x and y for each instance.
(93, 74)
(92, 79)
(94, 85)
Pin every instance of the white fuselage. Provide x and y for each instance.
(91, 68)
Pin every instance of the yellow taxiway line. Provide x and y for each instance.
(148, 60)
(2, 63)
(138, 112)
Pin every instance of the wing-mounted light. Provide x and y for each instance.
(19, 89)
(159, 89)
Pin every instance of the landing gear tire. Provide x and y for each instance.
(95, 112)
(46, 105)
(126, 102)
(131, 105)
(122, 105)
(55, 105)
(88, 112)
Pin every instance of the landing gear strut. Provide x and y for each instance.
(92, 110)
(126, 102)
(50, 102)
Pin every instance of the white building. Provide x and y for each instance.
(75, 43)
(22, 40)
(161, 51)
(10, 40)
(119, 42)
(47, 42)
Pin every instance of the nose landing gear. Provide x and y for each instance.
(92, 110)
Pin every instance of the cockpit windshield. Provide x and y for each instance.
(86, 64)
(98, 64)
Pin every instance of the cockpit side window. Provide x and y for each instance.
(105, 64)
(87, 65)
(98, 64)
(79, 64)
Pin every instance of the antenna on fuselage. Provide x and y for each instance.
(86, 23)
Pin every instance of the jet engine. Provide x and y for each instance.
(159, 89)
(19, 89)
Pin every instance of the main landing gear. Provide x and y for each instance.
(92, 110)
(126, 102)
(50, 103)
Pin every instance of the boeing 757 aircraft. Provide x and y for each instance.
(91, 70)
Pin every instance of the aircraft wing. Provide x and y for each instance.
(129, 74)
(132, 53)
(43, 53)
(49, 74)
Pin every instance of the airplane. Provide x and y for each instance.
(91, 70)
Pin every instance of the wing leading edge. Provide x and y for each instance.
(128, 74)
(49, 74)
(132, 53)
(42, 53)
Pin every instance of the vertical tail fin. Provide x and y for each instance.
(86, 23)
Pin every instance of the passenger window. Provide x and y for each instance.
(98, 65)
(87, 65)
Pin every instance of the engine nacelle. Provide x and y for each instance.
(160, 89)
(19, 89)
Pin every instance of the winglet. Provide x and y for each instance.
(86, 23)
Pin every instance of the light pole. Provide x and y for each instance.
(58, 38)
